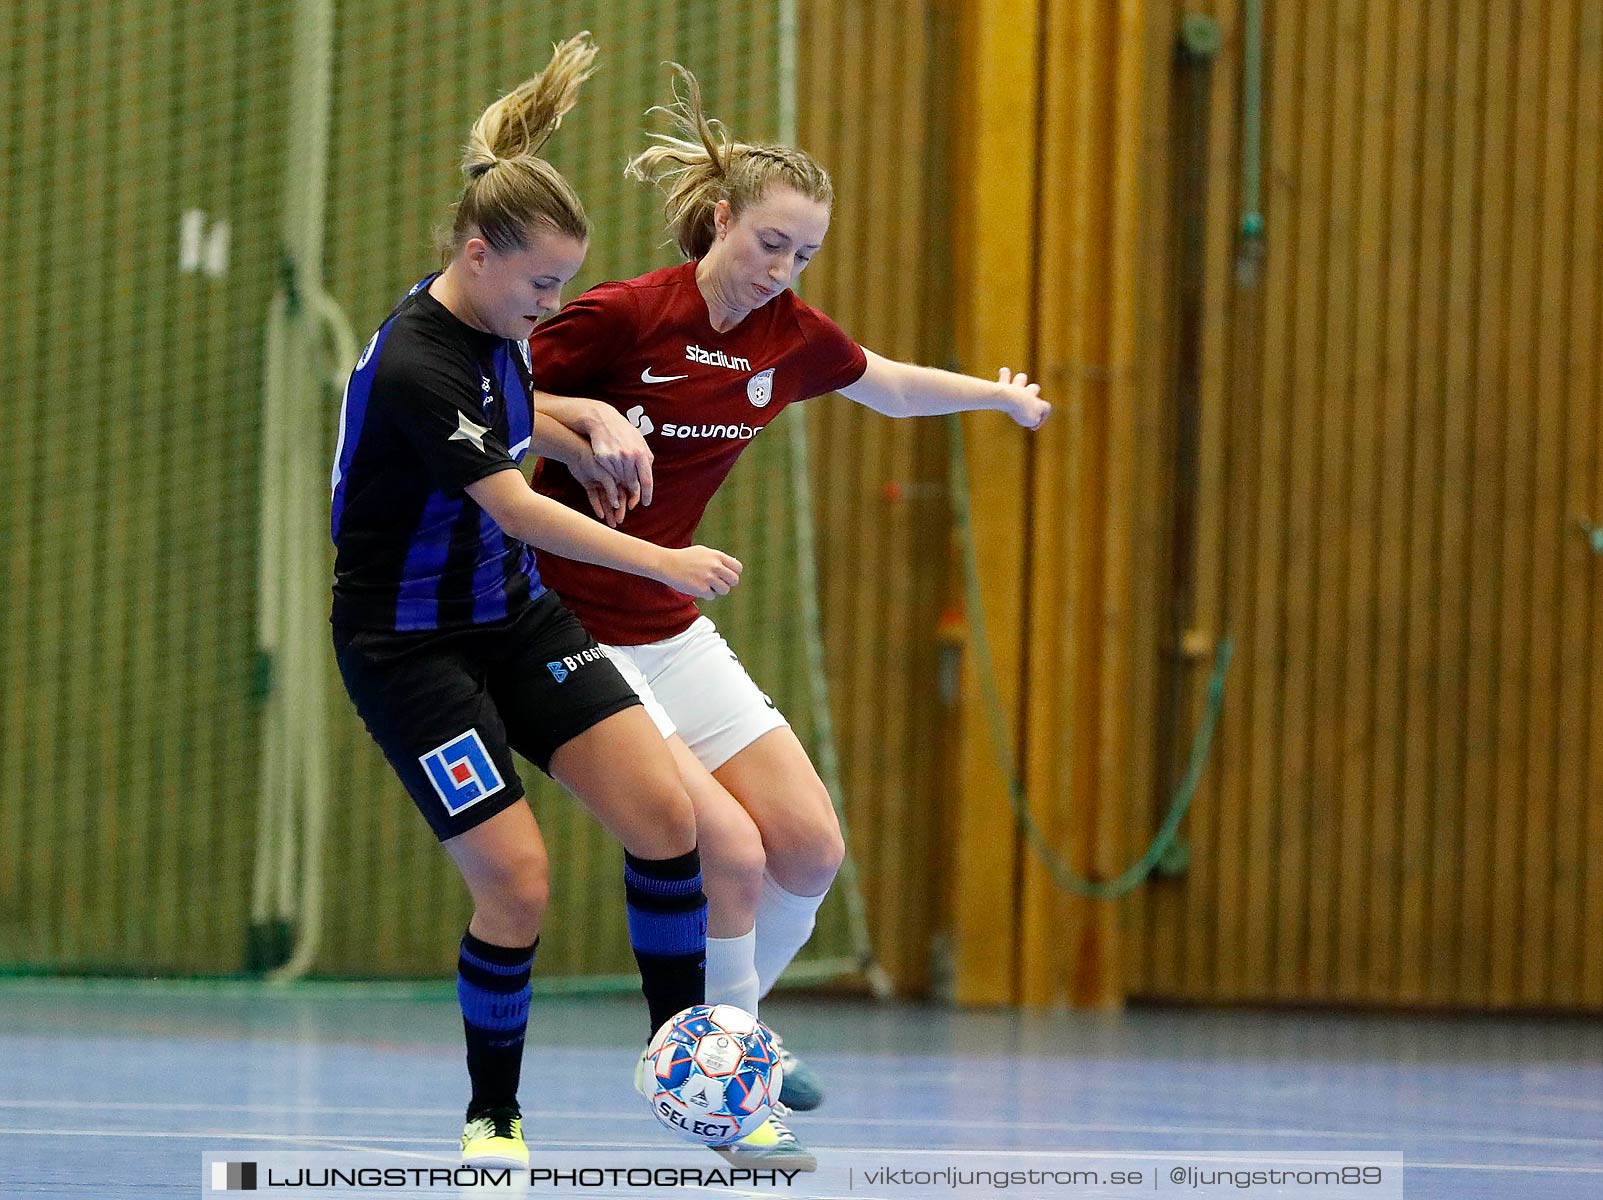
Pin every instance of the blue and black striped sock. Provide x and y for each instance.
(492, 986)
(668, 930)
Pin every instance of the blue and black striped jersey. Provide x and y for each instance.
(432, 406)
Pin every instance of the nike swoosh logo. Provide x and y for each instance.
(647, 377)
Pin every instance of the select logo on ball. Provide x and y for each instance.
(695, 1127)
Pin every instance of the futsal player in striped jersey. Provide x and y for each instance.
(449, 643)
(688, 365)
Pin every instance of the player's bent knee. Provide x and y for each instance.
(823, 848)
(832, 852)
(510, 911)
(748, 863)
(733, 868)
(663, 823)
(513, 890)
(815, 868)
(812, 855)
(527, 892)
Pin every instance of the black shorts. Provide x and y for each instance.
(448, 708)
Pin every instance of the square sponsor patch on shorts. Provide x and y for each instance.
(462, 772)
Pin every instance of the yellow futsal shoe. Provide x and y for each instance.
(495, 1139)
(771, 1144)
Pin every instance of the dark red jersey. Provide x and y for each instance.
(646, 347)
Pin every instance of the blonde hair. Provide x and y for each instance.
(507, 188)
(706, 165)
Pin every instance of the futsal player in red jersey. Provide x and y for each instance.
(671, 375)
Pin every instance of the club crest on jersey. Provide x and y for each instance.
(461, 772)
(760, 388)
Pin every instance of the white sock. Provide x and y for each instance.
(732, 971)
(784, 923)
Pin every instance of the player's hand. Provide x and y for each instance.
(608, 500)
(701, 571)
(620, 450)
(1024, 403)
(604, 507)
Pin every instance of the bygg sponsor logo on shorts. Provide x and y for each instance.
(561, 668)
(461, 772)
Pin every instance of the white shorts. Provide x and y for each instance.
(692, 684)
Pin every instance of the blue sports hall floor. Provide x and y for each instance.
(117, 1089)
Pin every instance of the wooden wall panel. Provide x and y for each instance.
(880, 485)
(1524, 414)
(1543, 620)
(1218, 836)
(1392, 248)
(1579, 865)
(1397, 457)
(1059, 580)
(1422, 269)
(995, 278)
(1069, 358)
(1080, 526)
(1407, 760)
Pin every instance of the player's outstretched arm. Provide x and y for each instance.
(543, 523)
(899, 389)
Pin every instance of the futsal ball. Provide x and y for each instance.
(712, 1073)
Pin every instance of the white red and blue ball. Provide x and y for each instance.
(713, 1074)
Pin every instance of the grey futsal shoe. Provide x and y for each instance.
(800, 1089)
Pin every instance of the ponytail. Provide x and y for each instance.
(507, 189)
(703, 165)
